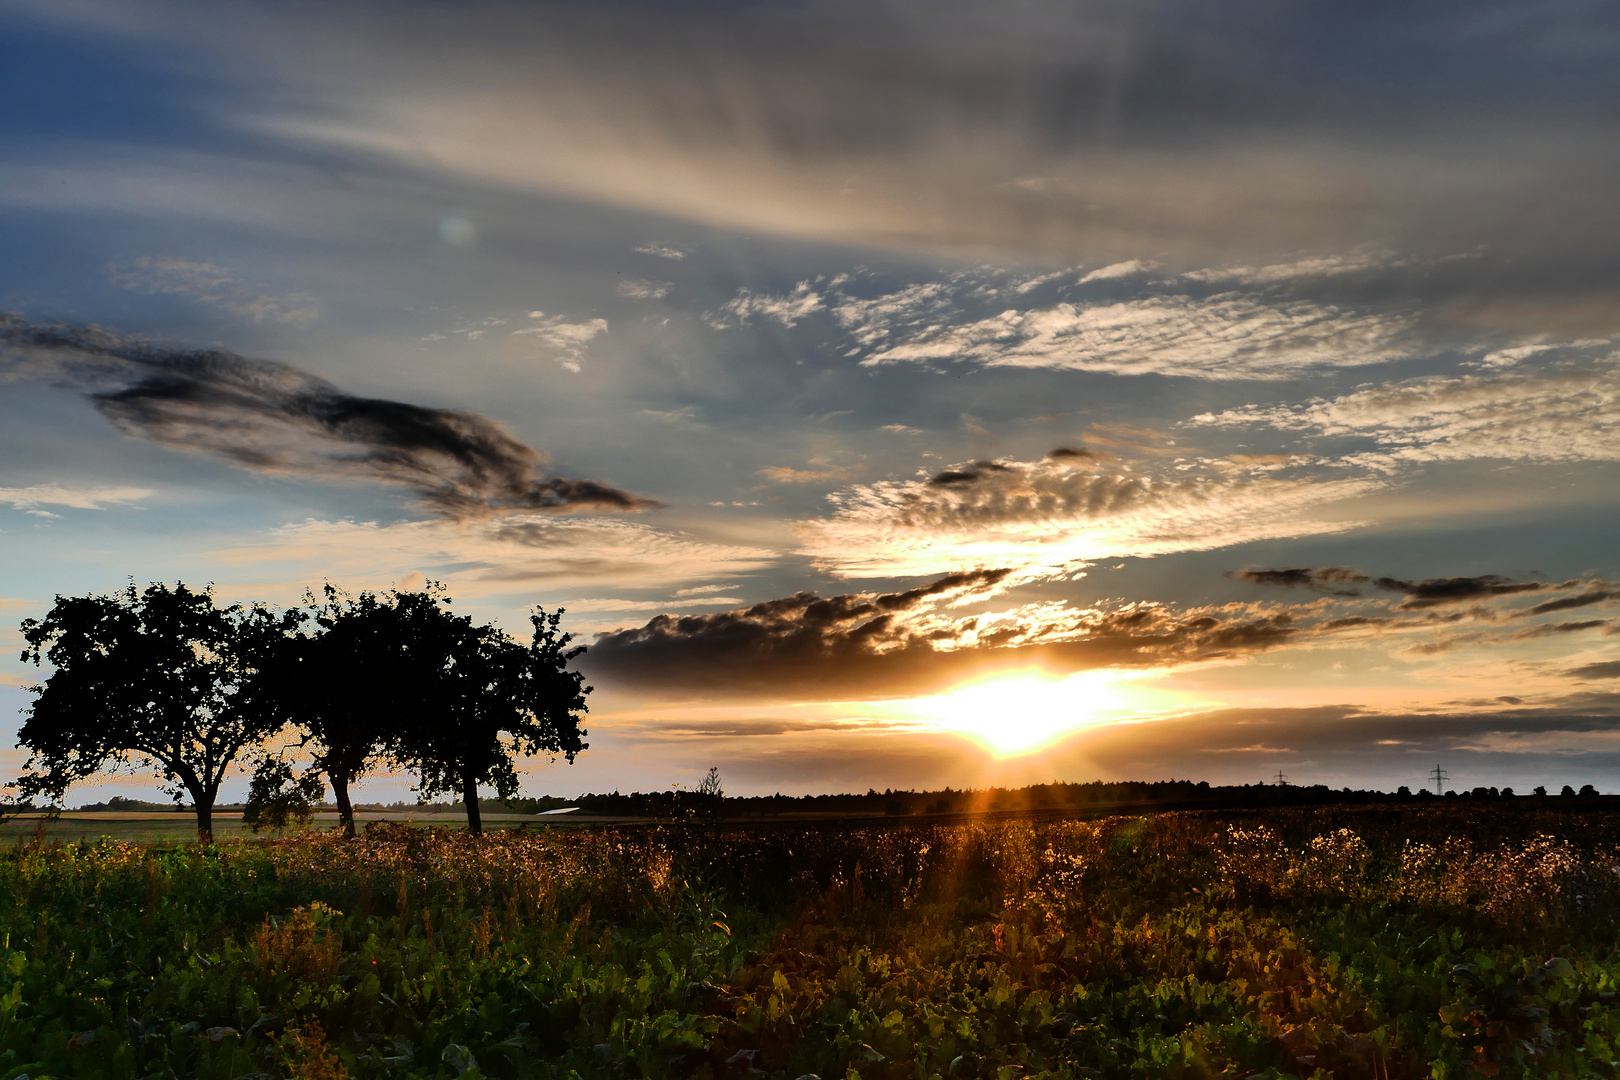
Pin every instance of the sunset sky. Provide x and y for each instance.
(895, 394)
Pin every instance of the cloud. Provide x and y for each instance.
(567, 340)
(864, 645)
(1248, 328)
(786, 309)
(1083, 129)
(1272, 321)
(783, 474)
(1436, 592)
(211, 284)
(1441, 609)
(1579, 600)
(607, 604)
(39, 495)
(916, 309)
(1128, 268)
(273, 418)
(1346, 745)
(967, 474)
(1227, 336)
(1561, 412)
(672, 416)
(1430, 592)
(1606, 669)
(1330, 579)
(509, 553)
(704, 590)
(643, 290)
(1549, 629)
(894, 644)
(1361, 261)
(1047, 517)
(663, 251)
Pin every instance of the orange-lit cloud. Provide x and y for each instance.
(1048, 518)
(1565, 411)
(806, 647)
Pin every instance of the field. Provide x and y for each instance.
(1454, 940)
(160, 827)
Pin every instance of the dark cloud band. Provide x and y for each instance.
(1428, 593)
(271, 417)
(896, 644)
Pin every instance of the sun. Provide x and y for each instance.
(1019, 714)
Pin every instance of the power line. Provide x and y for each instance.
(1282, 778)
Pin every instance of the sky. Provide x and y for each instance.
(894, 394)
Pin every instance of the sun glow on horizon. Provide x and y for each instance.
(1019, 714)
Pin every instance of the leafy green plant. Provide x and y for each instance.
(1181, 945)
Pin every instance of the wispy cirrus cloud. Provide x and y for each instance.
(35, 498)
(564, 339)
(1236, 322)
(1220, 337)
(787, 308)
(643, 289)
(209, 283)
(1054, 516)
(1564, 411)
(1305, 268)
(818, 473)
(274, 418)
(498, 554)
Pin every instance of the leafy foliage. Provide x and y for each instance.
(1309, 943)
(485, 698)
(278, 797)
(162, 677)
(352, 679)
(166, 678)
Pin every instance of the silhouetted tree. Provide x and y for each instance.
(483, 697)
(278, 797)
(355, 678)
(163, 677)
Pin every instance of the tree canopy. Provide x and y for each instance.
(485, 698)
(354, 682)
(161, 677)
(167, 678)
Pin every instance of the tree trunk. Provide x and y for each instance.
(469, 795)
(340, 794)
(205, 821)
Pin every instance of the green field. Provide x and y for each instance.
(162, 827)
(1444, 941)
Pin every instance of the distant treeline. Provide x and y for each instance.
(120, 805)
(1054, 796)
(891, 803)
